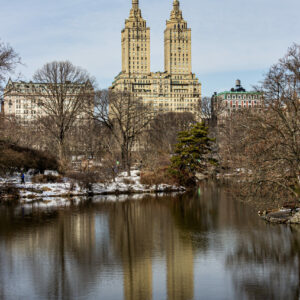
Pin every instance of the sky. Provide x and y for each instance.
(231, 39)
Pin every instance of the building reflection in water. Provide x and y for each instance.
(57, 258)
(137, 228)
(180, 269)
(66, 254)
(78, 253)
(132, 240)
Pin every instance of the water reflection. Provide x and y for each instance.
(194, 246)
(270, 264)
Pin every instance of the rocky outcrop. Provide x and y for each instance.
(295, 219)
(279, 217)
(282, 216)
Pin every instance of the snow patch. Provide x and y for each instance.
(68, 192)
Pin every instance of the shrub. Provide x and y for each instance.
(9, 192)
(128, 181)
(87, 179)
(159, 176)
(46, 189)
(41, 178)
(93, 177)
(16, 158)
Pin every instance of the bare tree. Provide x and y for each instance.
(264, 145)
(10, 130)
(212, 111)
(126, 117)
(209, 109)
(64, 93)
(9, 59)
(162, 135)
(203, 109)
(85, 144)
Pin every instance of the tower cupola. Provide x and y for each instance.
(177, 43)
(135, 42)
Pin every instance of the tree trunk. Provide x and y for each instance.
(128, 163)
(61, 155)
(128, 170)
(125, 160)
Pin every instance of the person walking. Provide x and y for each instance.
(22, 178)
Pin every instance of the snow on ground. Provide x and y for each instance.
(131, 184)
(68, 192)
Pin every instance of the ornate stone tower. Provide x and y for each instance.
(177, 43)
(135, 43)
(176, 89)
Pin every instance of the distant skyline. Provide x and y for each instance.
(230, 39)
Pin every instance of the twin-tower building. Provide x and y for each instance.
(176, 89)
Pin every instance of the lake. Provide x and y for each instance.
(201, 245)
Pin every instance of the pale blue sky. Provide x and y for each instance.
(230, 38)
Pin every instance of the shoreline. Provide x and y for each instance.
(60, 193)
(283, 215)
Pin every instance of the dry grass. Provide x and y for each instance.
(47, 179)
(32, 197)
(159, 176)
(88, 177)
(128, 181)
(9, 192)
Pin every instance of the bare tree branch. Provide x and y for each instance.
(126, 117)
(65, 92)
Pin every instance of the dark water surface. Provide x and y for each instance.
(196, 246)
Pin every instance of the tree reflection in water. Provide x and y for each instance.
(270, 264)
(79, 252)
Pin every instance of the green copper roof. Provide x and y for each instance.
(243, 93)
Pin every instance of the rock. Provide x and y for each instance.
(295, 219)
(277, 216)
(276, 220)
(262, 213)
(200, 176)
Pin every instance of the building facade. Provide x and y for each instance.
(25, 101)
(176, 89)
(227, 102)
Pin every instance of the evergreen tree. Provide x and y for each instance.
(192, 154)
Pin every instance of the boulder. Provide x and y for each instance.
(295, 218)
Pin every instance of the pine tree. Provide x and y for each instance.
(192, 154)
